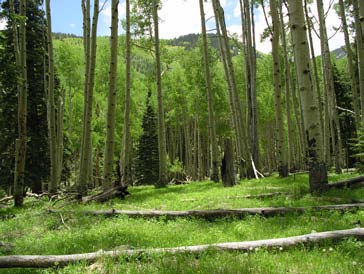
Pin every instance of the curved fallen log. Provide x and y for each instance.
(39, 261)
(216, 213)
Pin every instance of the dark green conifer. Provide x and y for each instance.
(147, 162)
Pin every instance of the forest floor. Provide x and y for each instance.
(34, 230)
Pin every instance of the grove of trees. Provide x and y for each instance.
(77, 113)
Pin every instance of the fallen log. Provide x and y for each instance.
(39, 261)
(353, 182)
(259, 196)
(6, 199)
(114, 192)
(215, 213)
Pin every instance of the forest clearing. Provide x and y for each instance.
(69, 231)
(233, 148)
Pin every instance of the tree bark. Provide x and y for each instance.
(212, 128)
(53, 184)
(227, 167)
(163, 171)
(330, 89)
(108, 177)
(317, 166)
(278, 102)
(39, 261)
(353, 76)
(19, 37)
(250, 53)
(359, 27)
(90, 56)
(125, 157)
(293, 150)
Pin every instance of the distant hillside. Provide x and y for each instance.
(339, 53)
(189, 41)
(60, 35)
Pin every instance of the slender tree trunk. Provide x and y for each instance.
(330, 89)
(324, 121)
(21, 63)
(227, 167)
(292, 161)
(125, 164)
(278, 102)
(317, 166)
(90, 56)
(60, 135)
(108, 177)
(212, 129)
(163, 172)
(359, 27)
(238, 116)
(52, 187)
(252, 128)
(353, 77)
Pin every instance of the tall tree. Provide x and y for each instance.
(36, 172)
(21, 62)
(163, 176)
(125, 159)
(329, 89)
(353, 75)
(53, 184)
(359, 28)
(317, 165)
(110, 116)
(278, 102)
(90, 38)
(237, 114)
(212, 128)
(247, 13)
(147, 163)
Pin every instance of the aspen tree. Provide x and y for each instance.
(317, 166)
(163, 172)
(110, 116)
(21, 63)
(212, 128)
(278, 102)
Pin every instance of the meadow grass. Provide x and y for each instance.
(33, 230)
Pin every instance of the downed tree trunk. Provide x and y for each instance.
(62, 260)
(114, 192)
(353, 182)
(6, 199)
(260, 196)
(215, 213)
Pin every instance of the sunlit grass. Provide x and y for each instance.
(33, 230)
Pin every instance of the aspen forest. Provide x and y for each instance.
(237, 147)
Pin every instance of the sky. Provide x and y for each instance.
(179, 17)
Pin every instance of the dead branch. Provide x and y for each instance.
(114, 192)
(39, 261)
(215, 213)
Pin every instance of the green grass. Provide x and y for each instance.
(33, 230)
